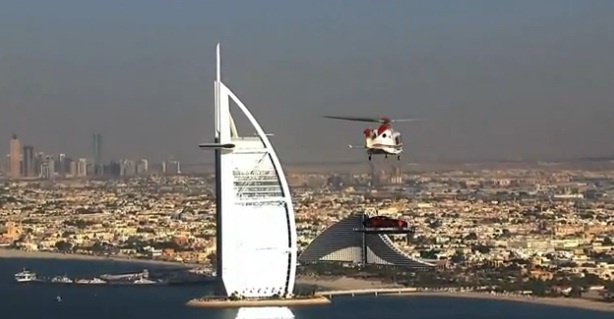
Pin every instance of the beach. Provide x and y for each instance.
(342, 283)
(15, 253)
(579, 303)
(346, 283)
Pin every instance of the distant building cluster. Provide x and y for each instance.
(380, 175)
(25, 163)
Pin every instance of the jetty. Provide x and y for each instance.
(367, 291)
(315, 300)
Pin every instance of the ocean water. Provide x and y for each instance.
(116, 302)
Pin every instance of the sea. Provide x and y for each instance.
(65, 301)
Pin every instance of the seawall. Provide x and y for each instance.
(225, 303)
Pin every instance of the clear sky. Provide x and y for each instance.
(492, 79)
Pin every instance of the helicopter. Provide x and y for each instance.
(381, 140)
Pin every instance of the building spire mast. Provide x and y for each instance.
(219, 63)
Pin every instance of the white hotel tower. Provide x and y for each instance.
(256, 233)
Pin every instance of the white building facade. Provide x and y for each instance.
(256, 245)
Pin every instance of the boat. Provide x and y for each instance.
(94, 281)
(200, 271)
(144, 281)
(25, 276)
(126, 277)
(61, 280)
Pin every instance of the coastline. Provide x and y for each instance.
(324, 283)
(6, 253)
(578, 303)
(347, 283)
(342, 283)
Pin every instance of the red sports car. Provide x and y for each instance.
(384, 221)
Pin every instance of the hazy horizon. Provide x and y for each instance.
(521, 80)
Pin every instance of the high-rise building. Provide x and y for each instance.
(82, 167)
(97, 154)
(68, 161)
(142, 166)
(51, 163)
(72, 169)
(97, 148)
(29, 169)
(15, 158)
(127, 168)
(60, 165)
(113, 169)
(243, 235)
(48, 168)
(38, 163)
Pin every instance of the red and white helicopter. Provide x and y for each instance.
(381, 140)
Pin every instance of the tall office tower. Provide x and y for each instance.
(65, 165)
(97, 153)
(44, 170)
(28, 161)
(72, 169)
(142, 167)
(60, 165)
(127, 168)
(38, 162)
(15, 160)
(48, 167)
(82, 167)
(113, 169)
(68, 165)
(51, 165)
(97, 148)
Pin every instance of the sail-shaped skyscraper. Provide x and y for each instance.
(256, 233)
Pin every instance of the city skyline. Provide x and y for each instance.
(25, 163)
(516, 81)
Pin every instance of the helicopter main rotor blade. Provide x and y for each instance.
(382, 120)
(404, 120)
(351, 118)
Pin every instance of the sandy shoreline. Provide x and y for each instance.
(578, 303)
(14, 253)
(342, 283)
(346, 283)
